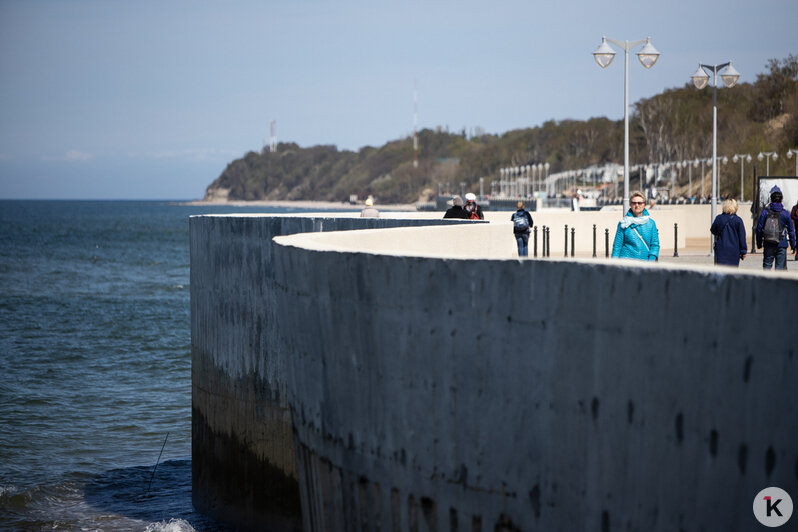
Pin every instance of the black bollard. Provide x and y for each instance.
(535, 241)
(548, 241)
(675, 239)
(573, 240)
(594, 241)
(607, 243)
(566, 240)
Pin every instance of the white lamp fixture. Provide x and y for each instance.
(742, 158)
(768, 155)
(647, 56)
(790, 153)
(700, 79)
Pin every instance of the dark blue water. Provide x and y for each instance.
(95, 365)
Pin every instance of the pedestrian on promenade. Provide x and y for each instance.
(474, 210)
(636, 236)
(370, 211)
(456, 210)
(729, 231)
(794, 216)
(775, 231)
(522, 224)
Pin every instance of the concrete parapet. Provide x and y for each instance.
(431, 389)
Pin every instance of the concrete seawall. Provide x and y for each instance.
(243, 459)
(429, 389)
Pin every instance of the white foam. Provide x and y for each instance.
(173, 525)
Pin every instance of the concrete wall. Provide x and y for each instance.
(429, 388)
(243, 459)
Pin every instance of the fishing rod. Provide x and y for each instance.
(157, 461)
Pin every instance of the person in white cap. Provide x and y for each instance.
(369, 211)
(474, 210)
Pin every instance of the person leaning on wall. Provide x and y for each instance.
(370, 211)
(636, 236)
(456, 210)
(729, 231)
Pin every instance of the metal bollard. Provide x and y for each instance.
(573, 240)
(535, 241)
(594, 241)
(548, 241)
(566, 240)
(675, 239)
(606, 243)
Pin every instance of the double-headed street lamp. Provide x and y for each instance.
(743, 158)
(768, 155)
(790, 153)
(700, 80)
(604, 55)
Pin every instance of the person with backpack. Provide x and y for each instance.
(522, 224)
(474, 210)
(729, 231)
(636, 236)
(775, 231)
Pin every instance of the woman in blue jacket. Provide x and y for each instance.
(636, 236)
(729, 231)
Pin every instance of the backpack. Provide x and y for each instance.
(471, 207)
(520, 222)
(772, 231)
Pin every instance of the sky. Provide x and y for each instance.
(152, 99)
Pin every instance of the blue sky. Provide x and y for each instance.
(151, 100)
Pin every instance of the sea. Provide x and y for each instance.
(95, 365)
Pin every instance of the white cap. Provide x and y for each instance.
(369, 202)
(471, 197)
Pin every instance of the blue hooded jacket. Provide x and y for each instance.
(786, 223)
(636, 238)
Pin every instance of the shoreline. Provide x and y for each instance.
(301, 204)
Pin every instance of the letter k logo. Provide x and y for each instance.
(772, 506)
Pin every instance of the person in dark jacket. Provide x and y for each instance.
(775, 250)
(456, 210)
(522, 224)
(729, 231)
(794, 216)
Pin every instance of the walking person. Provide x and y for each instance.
(794, 216)
(636, 236)
(775, 231)
(729, 231)
(522, 224)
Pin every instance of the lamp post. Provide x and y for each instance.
(604, 55)
(700, 80)
(743, 158)
(790, 153)
(768, 155)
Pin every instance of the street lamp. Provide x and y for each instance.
(790, 153)
(768, 155)
(743, 158)
(700, 80)
(604, 55)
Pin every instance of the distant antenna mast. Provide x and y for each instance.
(415, 125)
(273, 137)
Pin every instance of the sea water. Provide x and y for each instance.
(95, 365)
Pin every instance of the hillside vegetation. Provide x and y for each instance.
(673, 126)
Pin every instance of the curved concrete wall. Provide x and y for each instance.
(243, 459)
(429, 390)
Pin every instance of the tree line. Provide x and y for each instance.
(671, 126)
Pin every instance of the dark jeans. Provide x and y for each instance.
(523, 242)
(771, 252)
